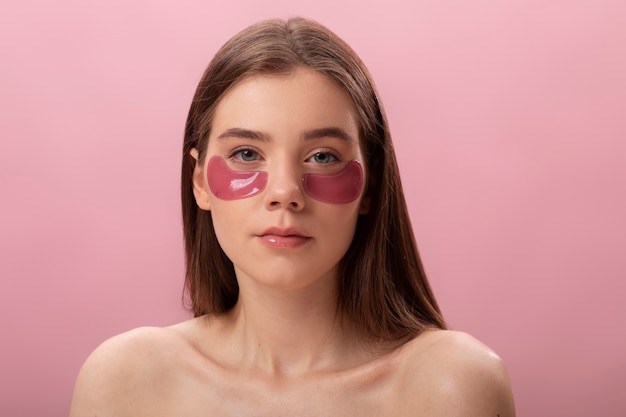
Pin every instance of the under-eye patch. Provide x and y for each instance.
(227, 184)
(340, 188)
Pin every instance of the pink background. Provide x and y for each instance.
(508, 119)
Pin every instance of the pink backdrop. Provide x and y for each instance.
(508, 119)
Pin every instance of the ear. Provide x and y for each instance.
(199, 184)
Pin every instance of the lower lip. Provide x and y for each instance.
(284, 242)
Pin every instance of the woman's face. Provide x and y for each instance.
(283, 177)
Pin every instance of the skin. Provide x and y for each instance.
(282, 350)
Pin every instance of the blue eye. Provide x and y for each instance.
(246, 155)
(323, 158)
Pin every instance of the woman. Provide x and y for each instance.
(302, 270)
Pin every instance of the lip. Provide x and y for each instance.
(283, 238)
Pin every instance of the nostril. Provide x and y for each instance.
(293, 204)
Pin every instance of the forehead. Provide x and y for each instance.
(300, 100)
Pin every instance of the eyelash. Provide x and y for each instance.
(335, 158)
(236, 155)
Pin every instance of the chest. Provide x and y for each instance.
(373, 394)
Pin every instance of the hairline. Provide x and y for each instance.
(209, 117)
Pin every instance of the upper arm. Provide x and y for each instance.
(480, 387)
(97, 382)
(466, 379)
(113, 375)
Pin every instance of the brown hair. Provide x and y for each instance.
(382, 284)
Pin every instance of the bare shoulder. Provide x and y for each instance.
(127, 370)
(456, 375)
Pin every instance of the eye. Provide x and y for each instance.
(323, 158)
(245, 155)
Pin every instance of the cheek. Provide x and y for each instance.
(341, 188)
(227, 184)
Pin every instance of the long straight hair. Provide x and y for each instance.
(382, 284)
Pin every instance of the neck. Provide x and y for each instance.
(291, 331)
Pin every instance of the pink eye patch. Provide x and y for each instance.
(340, 188)
(227, 184)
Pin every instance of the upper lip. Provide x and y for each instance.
(283, 231)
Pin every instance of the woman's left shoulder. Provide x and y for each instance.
(454, 347)
(461, 375)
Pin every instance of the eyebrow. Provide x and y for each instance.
(324, 132)
(237, 132)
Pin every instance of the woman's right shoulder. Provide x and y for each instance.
(133, 365)
(130, 349)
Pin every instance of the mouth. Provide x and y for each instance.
(284, 232)
(289, 238)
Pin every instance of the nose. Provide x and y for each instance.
(284, 188)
